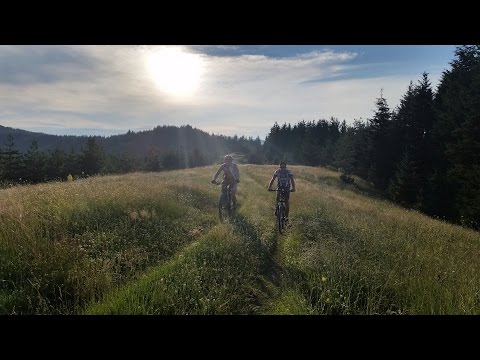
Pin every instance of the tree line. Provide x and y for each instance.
(424, 154)
(191, 148)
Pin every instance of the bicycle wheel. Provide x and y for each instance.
(224, 207)
(280, 218)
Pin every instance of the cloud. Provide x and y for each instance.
(55, 121)
(24, 65)
(244, 90)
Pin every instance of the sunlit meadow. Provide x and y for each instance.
(151, 243)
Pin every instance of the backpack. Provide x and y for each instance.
(283, 177)
(230, 172)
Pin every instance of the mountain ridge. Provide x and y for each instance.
(161, 138)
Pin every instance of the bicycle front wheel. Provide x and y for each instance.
(224, 210)
(280, 219)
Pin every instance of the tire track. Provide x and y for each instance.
(255, 223)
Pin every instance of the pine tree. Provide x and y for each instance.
(11, 162)
(403, 188)
(344, 153)
(92, 157)
(456, 137)
(381, 169)
(410, 143)
(34, 164)
(361, 148)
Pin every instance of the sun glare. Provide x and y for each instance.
(175, 71)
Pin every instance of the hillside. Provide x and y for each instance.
(152, 244)
(159, 139)
(23, 139)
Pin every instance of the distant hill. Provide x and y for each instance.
(160, 139)
(23, 139)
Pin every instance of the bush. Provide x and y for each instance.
(347, 178)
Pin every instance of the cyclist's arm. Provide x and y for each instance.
(293, 182)
(271, 182)
(217, 173)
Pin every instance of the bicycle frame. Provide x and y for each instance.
(280, 209)
(225, 205)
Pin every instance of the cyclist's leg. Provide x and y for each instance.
(233, 191)
(224, 189)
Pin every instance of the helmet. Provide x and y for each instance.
(228, 157)
(283, 164)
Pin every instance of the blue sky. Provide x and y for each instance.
(228, 90)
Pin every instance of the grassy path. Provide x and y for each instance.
(152, 244)
(231, 269)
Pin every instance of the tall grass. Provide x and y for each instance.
(151, 243)
(218, 274)
(65, 244)
(351, 254)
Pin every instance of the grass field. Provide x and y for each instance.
(151, 243)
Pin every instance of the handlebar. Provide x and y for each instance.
(293, 190)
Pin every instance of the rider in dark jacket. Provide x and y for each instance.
(284, 181)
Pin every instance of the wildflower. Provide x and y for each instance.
(133, 215)
(324, 278)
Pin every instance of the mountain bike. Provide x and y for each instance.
(280, 209)
(225, 204)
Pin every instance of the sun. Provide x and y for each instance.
(175, 71)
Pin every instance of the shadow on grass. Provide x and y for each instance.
(270, 268)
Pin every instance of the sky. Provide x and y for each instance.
(223, 90)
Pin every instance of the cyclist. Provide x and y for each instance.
(284, 181)
(231, 176)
